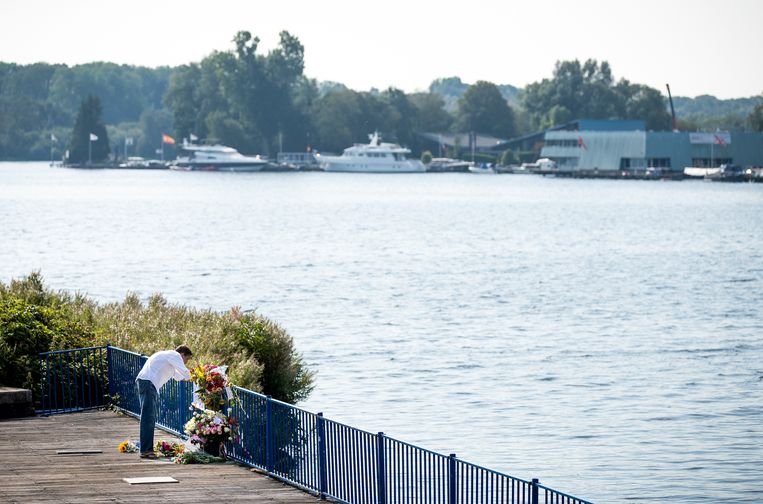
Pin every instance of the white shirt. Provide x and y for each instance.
(162, 366)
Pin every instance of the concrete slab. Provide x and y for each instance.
(148, 480)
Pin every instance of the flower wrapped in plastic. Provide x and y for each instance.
(208, 429)
(211, 387)
(166, 449)
(128, 447)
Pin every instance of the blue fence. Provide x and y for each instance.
(304, 449)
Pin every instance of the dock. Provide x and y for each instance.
(33, 471)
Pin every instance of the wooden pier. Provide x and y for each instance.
(31, 470)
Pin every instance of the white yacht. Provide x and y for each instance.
(374, 157)
(216, 158)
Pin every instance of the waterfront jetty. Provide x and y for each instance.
(32, 470)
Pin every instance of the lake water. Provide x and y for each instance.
(603, 336)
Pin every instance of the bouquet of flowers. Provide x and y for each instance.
(208, 428)
(166, 449)
(128, 447)
(211, 385)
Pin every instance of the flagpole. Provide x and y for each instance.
(89, 150)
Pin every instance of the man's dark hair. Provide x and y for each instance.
(184, 350)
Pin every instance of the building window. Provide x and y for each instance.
(659, 162)
(628, 163)
(710, 163)
(556, 142)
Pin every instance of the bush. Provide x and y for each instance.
(28, 329)
(259, 353)
(284, 375)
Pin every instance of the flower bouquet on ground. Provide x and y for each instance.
(128, 447)
(211, 386)
(208, 429)
(196, 457)
(166, 449)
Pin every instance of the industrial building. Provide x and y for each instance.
(612, 146)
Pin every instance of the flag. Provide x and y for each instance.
(53, 138)
(168, 139)
(194, 137)
(581, 143)
(93, 137)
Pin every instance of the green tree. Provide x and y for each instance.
(337, 117)
(88, 122)
(509, 157)
(284, 374)
(755, 119)
(589, 91)
(400, 116)
(482, 109)
(261, 87)
(182, 99)
(644, 103)
(585, 91)
(154, 123)
(430, 113)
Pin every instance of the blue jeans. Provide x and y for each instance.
(149, 400)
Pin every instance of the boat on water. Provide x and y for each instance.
(139, 163)
(725, 173)
(440, 165)
(482, 168)
(373, 157)
(216, 158)
(694, 171)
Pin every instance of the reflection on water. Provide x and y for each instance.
(603, 336)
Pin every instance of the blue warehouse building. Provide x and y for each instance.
(612, 146)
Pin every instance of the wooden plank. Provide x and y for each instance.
(77, 452)
(32, 472)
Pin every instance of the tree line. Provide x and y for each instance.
(263, 103)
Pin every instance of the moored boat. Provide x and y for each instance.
(694, 171)
(374, 157)
(483, 168)
(216, 158)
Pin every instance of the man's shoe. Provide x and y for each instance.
(149, 455)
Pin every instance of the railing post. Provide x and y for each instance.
(452, 479)
(323, 480)
(182, 407)
(110, 371)
(269, 441)
(534, 491)
(381, 469)
(43, 381)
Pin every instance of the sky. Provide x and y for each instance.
(697, 46)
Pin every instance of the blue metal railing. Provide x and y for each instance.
(304, 449)
(72, 380)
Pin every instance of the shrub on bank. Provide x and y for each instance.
(26, 329)
(260, 354)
